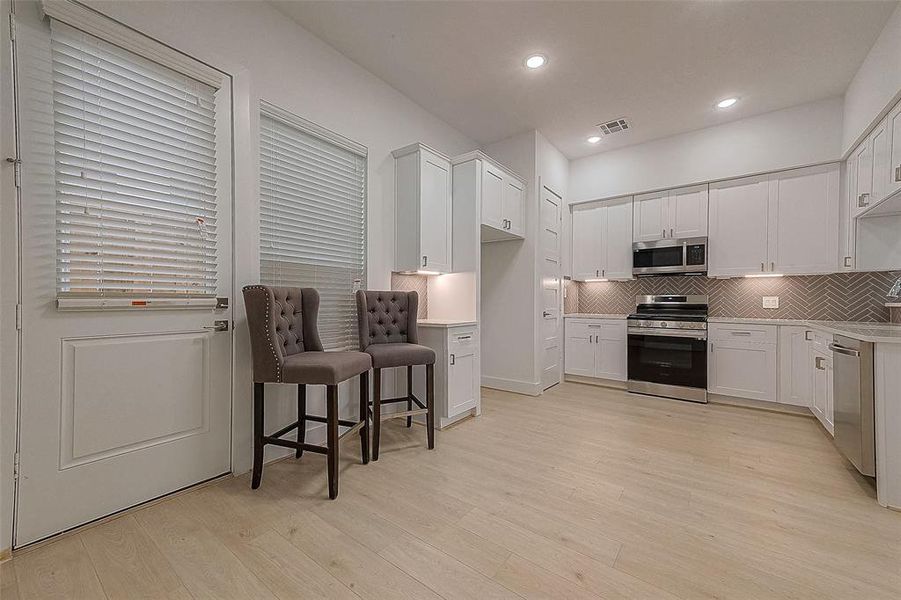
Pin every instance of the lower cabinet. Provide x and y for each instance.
(596, 348)
(742, 361)
(457, 372)
(820, 367)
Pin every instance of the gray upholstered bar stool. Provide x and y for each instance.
(285, 344)
(388, 333)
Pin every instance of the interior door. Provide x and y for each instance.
(551, 289)
(435, 212)
(117, 406)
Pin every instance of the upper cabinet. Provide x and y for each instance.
(784, 223)
(602, 240)
(893, 144)
(423, 210)
(503, 203)
(671, 214)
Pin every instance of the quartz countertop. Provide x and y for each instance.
(444, 322)
(594, 316)
(864, 331)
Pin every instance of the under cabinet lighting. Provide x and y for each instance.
(726, 102)
(760, 275)
(595, 280)
(428, 272)
(536, 61)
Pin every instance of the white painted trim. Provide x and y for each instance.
(512, 385)
(296, 121)
(99, 25)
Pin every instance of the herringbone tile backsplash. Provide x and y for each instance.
(413, 283)
(839, 297)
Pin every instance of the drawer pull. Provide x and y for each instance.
(464, 337)
(819, 363)
(741, 333)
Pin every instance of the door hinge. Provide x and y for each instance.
(12, 27)
(18, 317)
(16, 466)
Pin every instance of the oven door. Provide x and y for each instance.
(668, 359)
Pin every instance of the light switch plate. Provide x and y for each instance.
(771, 301)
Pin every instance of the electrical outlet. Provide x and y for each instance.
(771, 301)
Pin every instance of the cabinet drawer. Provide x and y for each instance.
(462, 339)
(751, 334)
(578, 329)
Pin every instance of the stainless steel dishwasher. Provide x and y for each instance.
(853, 402)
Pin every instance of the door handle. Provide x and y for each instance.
(217, 326)
(546, 314)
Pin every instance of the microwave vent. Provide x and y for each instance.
(614, 126)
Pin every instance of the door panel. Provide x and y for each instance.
(862, 160)
(688, 212)
(650, 220)
(117, 406)
(514, 199)
(551, 289)
(738, 227)
(436, 212)
(617, 243)
(587, 232)
(893, 128)
(492, 196)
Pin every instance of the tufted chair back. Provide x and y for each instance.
(282, 322)
(387, 317)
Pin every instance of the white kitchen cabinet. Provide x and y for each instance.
(861, 181)
(423, 210)
(738, 227)
(742, 361)
(820, 366)
(503, 202)
(785, 222)
(602, 240)
(457, 371)
(795, 375)
(596, 348)
(893, 151)
(671, 214)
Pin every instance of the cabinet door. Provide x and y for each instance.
(821, 401)
(587, 230)
(881, 176)
(803, 221)
(687, 212)
(743, 361)
(492, 196)
(461, 375)
(435, 215)
(514, 209)
(893, 142)
(738, 227)
(649, 217)
(579, 349)
(611, 351)
(795, 373)
(617, 240)
(862, 163)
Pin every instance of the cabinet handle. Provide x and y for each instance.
(807, 335)
(596, 339)
(425, 261)
(898, 173)
(603, 272)
(848, 261)
(671, 232)
(762, 267)
(711, 347)
(597, 273)
(818, 363)
(453, 360)
(863, 200)
(664, 232)
(773, 266)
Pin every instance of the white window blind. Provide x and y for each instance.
(312, 218)
(135, 162)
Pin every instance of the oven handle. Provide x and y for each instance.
(684, 333)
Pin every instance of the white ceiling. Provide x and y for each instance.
(660, 64)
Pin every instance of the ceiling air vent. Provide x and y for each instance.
(614, 126)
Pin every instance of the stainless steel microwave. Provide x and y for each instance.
(687, 256)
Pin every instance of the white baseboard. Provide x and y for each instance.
(512, 385)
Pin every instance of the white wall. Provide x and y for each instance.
(274, 59)
(876, 85)
(508, 283)
(801, 135)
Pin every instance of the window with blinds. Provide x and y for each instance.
(312, 218)
(135, 164)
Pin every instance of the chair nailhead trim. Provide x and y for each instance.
(278, 365)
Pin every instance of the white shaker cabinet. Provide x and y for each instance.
(457, 371)
(893, 150)
(596, 348)
(820, 365)
(782, 223)
(671, 214)
(795, 376)
(503, 202)
(742, 361)
(602, 240)
(423, 210)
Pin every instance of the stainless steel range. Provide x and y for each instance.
(668, 347)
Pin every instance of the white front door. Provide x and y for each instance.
(117, 406)
(551, 301)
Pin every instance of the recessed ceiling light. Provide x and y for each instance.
(726, 103)
(536, 61)
(594, 139)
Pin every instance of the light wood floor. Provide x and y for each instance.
(582, 493)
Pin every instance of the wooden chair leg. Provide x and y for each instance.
(376, 411)
(364, 416)
(258, 392)
(332, 439)
(301, 417)
(430, 403)
(409, 394)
